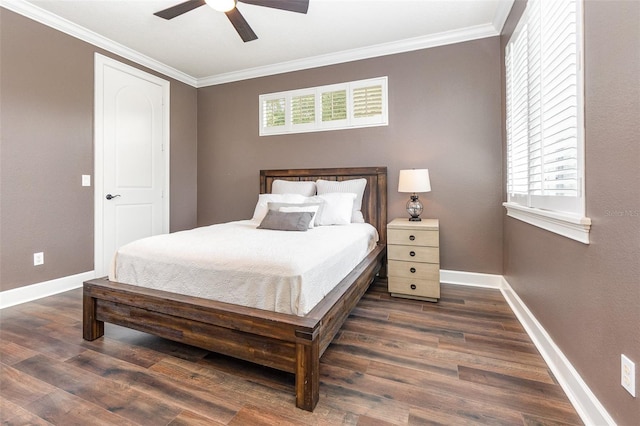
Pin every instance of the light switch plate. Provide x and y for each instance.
(38, 259)
(86, 180)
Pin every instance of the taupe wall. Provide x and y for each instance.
(46, 115)
(444, 114)
(588, 296)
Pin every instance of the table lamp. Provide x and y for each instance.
(414, 181)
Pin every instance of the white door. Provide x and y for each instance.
(131, 158)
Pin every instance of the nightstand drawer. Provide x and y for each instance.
(413, 254)
(408, 287)
(413, 237)
(414, 270)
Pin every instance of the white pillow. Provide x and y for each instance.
(306, 188)
(262, 205)
(337, 208)
(355, 186)
(302, 208)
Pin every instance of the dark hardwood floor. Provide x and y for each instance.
(463, 360)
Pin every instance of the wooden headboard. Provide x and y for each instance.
(374, 201)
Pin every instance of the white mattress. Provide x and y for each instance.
(281, 271)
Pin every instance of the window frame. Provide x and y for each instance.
(542, 211)
(318, 125)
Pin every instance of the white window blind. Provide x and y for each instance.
(367, 101)
(303, 110)
(334, 105)
(544, 120)
(339, 106)
(273, 112)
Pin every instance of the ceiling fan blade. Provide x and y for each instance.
(300, 6)
(241, 25)
(179, 9)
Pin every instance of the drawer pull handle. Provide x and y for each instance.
(413, 286)
(413, 270)
(412, 253)
(412, 237)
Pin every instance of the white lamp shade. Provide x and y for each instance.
(414, 180)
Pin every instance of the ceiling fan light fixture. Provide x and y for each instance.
(221, 5)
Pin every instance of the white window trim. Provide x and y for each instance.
(565, 224)
(575, 226)
(350, 123)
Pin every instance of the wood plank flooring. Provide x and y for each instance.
(464, 360)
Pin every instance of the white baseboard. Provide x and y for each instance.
(473, 279)
(590, 410)
(48, 288)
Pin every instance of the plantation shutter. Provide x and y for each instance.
(543, 124)
(334, 105)
(273, 113)
(303, 109)
(367, 102)
(559, 92)
(518, 119)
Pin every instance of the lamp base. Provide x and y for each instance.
(414, 208)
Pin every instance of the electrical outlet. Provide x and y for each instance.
(628, 375)
(38, 259)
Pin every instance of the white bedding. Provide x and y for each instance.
(281, 271)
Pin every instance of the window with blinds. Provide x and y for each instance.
(338, 106)
(367, 101)
(544, 119)
(273, 112)
(334, 106)
(303, 109)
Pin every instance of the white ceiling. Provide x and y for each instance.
(202, 48)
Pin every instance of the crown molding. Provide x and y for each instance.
(401, 46)
(418, 43)
(47, 18)
(502, 13)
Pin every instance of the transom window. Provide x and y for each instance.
(361, 103)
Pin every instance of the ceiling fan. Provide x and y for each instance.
(234, 15)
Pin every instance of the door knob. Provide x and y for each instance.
(110, 197)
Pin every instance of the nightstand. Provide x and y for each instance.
(413, 253)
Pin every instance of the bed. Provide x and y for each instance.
(286, 342)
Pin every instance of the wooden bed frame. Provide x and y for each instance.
(285, 342)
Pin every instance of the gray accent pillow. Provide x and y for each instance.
(319, 203)
(286, 221)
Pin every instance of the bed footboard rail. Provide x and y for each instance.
(274, 340)
(269, 339)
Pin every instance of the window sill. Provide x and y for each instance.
(568, 225)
